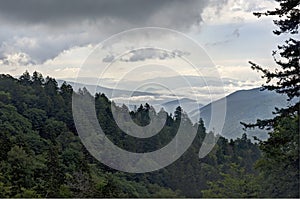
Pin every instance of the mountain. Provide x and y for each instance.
(246, 106)
(120, 97)
(242, 105)
(109, 92)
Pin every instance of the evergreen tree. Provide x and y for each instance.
(25, 78)
(279, 164)
(178, 113)
(286, 78)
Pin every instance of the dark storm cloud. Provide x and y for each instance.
(43, 29)
(60, 12)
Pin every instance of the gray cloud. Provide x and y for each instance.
(43, 29)
(56, 13)
(70, 11)
(218, 4)
(148, 53)
(108, 58)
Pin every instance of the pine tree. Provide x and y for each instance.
(279, 165)
(178, 113)
(25, 78)
(287, 75)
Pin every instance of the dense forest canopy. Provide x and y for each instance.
(42, 155)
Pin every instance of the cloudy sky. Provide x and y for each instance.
(56, 37)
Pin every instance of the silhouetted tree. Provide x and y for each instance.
(279, 165)
(286, 78)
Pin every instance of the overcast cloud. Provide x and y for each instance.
(40, 30)
(55, 36)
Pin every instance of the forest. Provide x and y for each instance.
(41, 154)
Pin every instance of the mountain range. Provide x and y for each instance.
(243, 105)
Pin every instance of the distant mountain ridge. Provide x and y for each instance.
(109, 92)
(242, 105)
(246, 106)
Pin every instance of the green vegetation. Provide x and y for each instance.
(42, 156)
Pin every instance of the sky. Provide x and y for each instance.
(60, 37)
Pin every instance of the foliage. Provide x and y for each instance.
(42, 156)
(236, 184)
(279, 164)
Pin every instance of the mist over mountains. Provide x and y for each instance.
(242, 105)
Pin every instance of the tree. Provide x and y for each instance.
(287, 76)
(53, 128)
(54, 175)
(279, 164)
(236, 184)
(20, 169)
(5, 97)
(37, 78)
(25, 78)
(5, 189)
(66, 90)
(201, 129)
(36, 116)
(178, 113)
(51, 86)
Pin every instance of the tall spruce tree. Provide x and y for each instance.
(279, 165)
(286, 77)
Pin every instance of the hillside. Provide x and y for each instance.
(246, 106)
(42, 155)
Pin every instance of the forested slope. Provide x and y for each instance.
(42, 155)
